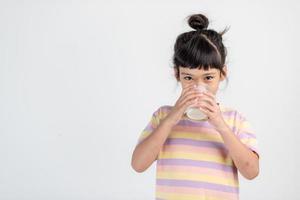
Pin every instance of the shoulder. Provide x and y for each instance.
(231, 112)
(237, 120)
(162, 111)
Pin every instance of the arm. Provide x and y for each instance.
(244, 158)
(147, 151)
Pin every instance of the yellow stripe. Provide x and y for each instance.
(249, 141)
(231, 121)
(196, 156)
(241, 125)
(197, 177)
(177, 196)
(245, 126)
(144, 134)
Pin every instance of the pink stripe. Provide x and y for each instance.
(196, 129)
(193, 191)
(205, 129)
(246, 135)
(193, 142)
(196, 163)
(198, 170)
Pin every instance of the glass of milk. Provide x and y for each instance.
(193, 112)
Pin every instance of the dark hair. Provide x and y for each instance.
(199, 48)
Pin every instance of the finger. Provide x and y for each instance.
(191, 95)
(206, 106)
(211, 95)
(207, 99)
(187, 92)
(188, 98)
(205, 111)
(191, 102)
(190, 92)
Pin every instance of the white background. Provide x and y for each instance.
(79, 80)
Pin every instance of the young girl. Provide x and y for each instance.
(198, 159)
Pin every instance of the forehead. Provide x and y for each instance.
(197, 72)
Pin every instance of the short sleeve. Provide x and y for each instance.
(247, 135)
(151, 126)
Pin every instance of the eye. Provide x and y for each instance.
(209, 77)
(187, 77)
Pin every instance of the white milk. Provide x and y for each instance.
(193, 112)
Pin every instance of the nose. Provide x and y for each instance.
(201, 83)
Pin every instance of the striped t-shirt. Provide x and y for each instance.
(194, 163)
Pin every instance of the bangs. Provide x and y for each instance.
(197, 53)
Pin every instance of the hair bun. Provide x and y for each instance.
(198, 22)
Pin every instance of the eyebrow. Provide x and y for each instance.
(209, 73)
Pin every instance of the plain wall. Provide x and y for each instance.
(79, 80)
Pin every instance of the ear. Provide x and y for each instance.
(225, 70)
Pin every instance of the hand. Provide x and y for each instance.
(187, 98)
(207, 104)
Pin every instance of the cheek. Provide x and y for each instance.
(213, 88)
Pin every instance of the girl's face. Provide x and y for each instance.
(211, 77)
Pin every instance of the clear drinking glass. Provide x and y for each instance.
(193, 112)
